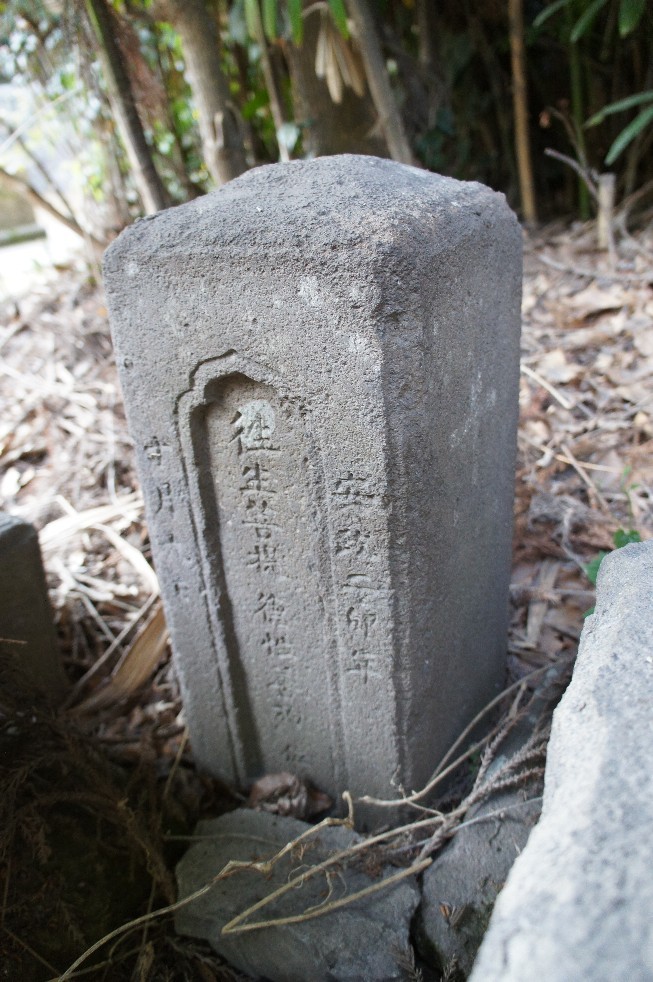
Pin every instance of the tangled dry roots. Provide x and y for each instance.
(82, 851)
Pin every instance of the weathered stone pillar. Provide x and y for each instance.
(320, 367)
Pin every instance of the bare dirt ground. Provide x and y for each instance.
(119, 756)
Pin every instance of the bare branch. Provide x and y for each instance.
(39, 201)
(583, 172)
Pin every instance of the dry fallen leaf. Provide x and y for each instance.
(594, 300)
(642, 330)
(134, 668)
(286, 794)
(555, 367)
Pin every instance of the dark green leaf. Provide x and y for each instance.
(630, 14)
(270, 13)
(550, 11)
(592, 569)
(620, 106)
(296, 20)
(339, 14)
(584, 22)
(252, 14)
(623, 538)
(626, 136)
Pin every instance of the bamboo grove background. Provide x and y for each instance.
(158, 101)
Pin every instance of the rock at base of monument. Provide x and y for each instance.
(577, 904)
(460, 888)
(367, 939)
(28, 650)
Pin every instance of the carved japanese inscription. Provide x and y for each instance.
(363, 594)
(261, 511)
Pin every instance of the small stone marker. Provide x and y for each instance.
(27, 637)
(320, 367)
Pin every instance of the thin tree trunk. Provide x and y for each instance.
(148, 182)
(427, 58)
(504, 129)
(520, 105)
(222, 140)
(328, 127)
(378, 81)
(276, 107)
(577, 110)
(605, 218)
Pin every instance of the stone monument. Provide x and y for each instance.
(320, 369)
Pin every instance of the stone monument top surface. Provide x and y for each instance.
(347, 201)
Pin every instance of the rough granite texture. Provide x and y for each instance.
(579, 900)
(27, 636)
(320, 369)
(367, 939)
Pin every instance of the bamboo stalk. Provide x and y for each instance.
(520, 108)
(378, 81)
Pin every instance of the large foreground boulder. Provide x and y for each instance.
(578, 904)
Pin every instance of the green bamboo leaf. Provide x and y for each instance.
(296, 20)
(584, 23)
(270, 15)
(339, 14)
(630, 14)
(631, 131)
(550, 11)
(617, 107)
(252, 14)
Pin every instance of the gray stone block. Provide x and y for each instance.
(367, 939)
(320, 368)
(28, 646)
(461, 887)
(578, 901)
